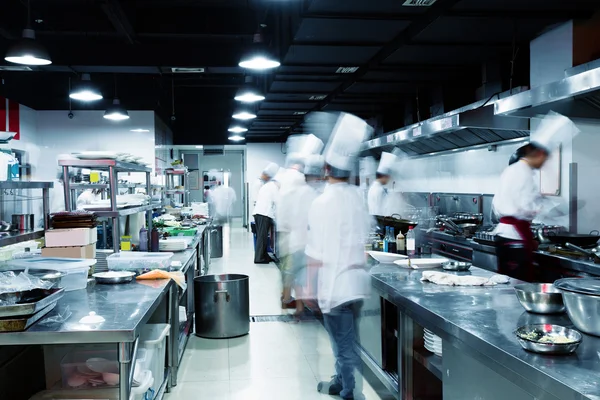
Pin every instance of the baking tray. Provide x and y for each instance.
(32, 308)
(24, 322)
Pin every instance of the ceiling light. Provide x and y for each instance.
(85, 90)
(249, 97)
(244, 115)
(28, 51)
(259, 63)
(237, 129)
(140, 130)
(236, 138)
(200, 147)
(116, 112)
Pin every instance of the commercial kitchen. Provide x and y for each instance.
(120, 119)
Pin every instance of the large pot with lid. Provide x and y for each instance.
(582, 300)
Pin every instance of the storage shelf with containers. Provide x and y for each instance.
(176, 185)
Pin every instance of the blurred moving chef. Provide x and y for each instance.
(518, 200)
(378, 195)
(270, 171)
(264, 215)
(292, 205)
(223, 198)
(339, 224)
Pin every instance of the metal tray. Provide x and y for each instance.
(21, 324)
(32, 308)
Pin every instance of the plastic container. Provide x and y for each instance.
(73, 363)
(138, 261)
(181, 231)
(153, 339)
(71, 237)
(76, 269)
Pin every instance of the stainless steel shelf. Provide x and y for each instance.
(430, 361)
(18, 237)
(25, 185)
(104, 164)
(174, 172)
(122, 211)
(84, 186)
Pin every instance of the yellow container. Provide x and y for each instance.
(125, 243)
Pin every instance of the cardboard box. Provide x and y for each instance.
(71, 237)
(88, 251)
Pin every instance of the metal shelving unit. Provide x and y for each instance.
(170, 190)
(114, 213)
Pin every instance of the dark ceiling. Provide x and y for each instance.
(378, 59)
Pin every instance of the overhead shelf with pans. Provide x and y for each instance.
(467, 127)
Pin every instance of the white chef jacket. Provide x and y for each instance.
(339, 225)
(377, 199)
(254, 189)
(292, 207)
(266, 199)
(223, 199)
(518, 196)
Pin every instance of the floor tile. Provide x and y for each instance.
(200, 391)
(282, 388)
(197, 368)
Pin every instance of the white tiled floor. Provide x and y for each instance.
(276, 360)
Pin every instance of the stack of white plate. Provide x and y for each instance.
(172, 245)
(433, 343)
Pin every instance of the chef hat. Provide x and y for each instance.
(311, 145)
(386, 164)
(271, 170)
(315, 164)
(553, 130)
(346, 139)
(294, 159)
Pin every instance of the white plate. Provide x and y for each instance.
(422, 263)
(96, 155)
(386, 258)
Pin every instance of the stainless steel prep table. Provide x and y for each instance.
(126, 309)
(481, 357)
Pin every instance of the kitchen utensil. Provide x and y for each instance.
(114, 277)
(386, 258)
(23, 222)
(421, 263)
(529, 337)
(582, 301)
(580, 240)
(457, 266)
(19, 324)
(49, 275)
(540, 298)
(593, 255)
(52, 296)
(450, 225)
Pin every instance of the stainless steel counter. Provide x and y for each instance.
(479, 322)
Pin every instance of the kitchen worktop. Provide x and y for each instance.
(481, 321)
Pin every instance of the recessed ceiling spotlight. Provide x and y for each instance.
(200, 147)
(236, 138)
(237, 129)
(139, 130)
(259, 63)
(244, 115)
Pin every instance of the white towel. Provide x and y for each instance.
(442, 278)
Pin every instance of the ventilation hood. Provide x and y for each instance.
(575, 96)
(467, 127)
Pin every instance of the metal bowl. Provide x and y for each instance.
(536, 346)
(457, 266)
(540, 298)
(49, 275)
(110, 277)
(582, 302)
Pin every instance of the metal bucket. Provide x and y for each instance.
(222, 304)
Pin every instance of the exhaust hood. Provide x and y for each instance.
(469, 126)
(575, 96)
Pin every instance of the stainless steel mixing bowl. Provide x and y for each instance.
(583, 305)
(457, 266)
(540, 298)
(524, 334)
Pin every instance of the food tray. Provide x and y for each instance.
(32, 308)
(22, 323)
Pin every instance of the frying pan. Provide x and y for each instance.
(593, 255)
(577, 239)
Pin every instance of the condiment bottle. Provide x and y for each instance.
(143, 239)
(154, 237)
(400, 243)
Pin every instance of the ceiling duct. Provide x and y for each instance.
(466, 127)
(575, 96)
(213, 151)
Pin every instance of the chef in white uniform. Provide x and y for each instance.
(518, 200)
(339, 225)
(264, 216)
(270, 171)
(378, 196)
(292, 214)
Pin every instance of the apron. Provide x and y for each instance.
(515, 257)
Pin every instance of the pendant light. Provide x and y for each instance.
(237, 129)
(248, 93)
(244, 115)
(27, 50)
(85, 90)
(236, 138)
(116, 112)
(258, 57)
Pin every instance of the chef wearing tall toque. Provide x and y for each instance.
(377, 197)
(518, 200)
(338, 227)
(269, 172)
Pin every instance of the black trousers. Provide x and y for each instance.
(263, 226)
(515, 260)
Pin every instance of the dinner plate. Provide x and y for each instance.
(386, 258)
(96, 155)
(421, 263)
